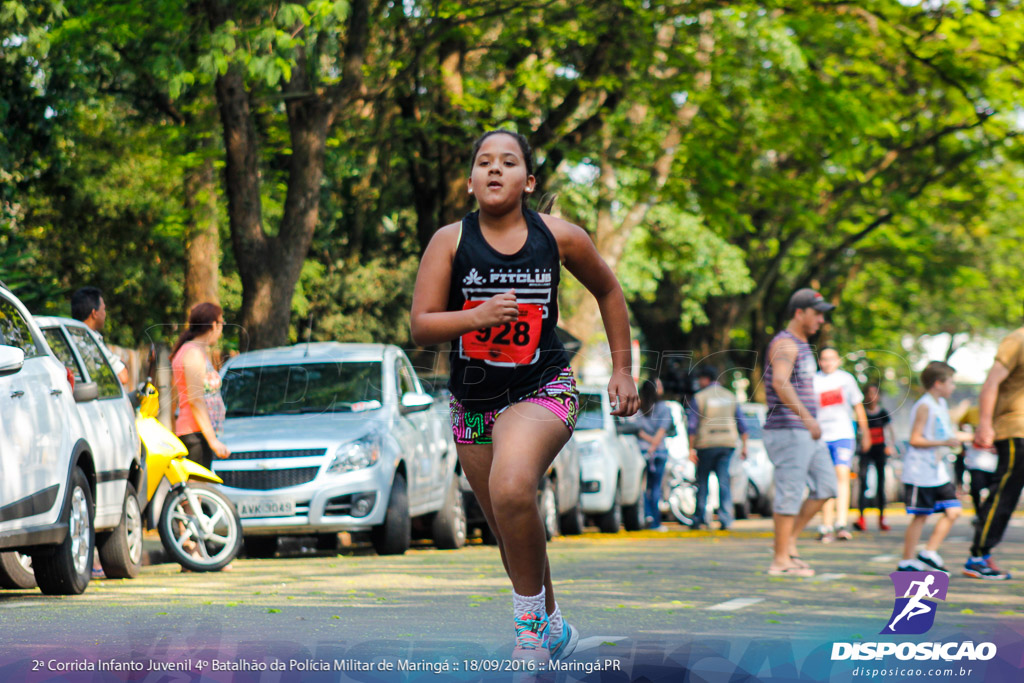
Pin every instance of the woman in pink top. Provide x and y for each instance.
(197, 385)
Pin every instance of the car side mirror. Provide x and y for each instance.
(11, 360)
(413, 402)
(86, 391)
(626, 428)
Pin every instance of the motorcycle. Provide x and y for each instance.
(680, 492)
(198, 525)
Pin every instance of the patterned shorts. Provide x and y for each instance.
(559, 396)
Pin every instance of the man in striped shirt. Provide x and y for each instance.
(792, 434)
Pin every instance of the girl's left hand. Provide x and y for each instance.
(622, 393)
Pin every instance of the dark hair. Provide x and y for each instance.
(828, 347)
(708, 372)
(648, 396)
(936, 371)
(524, 147)
(200, 320)
(84, 301)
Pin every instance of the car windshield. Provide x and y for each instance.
(302, 388)
(590, 412)
(753, 426)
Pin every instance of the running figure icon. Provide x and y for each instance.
(914, 606)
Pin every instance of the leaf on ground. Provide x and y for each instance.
(273, 610)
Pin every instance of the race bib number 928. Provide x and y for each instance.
(513, 342)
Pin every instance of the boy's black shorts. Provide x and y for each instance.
(925, 500)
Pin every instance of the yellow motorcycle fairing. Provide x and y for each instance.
(166, 457)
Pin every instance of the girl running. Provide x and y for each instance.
(489, 284)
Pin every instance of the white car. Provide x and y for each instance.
(613, 471)
(52, 472)
(753, 478)
(330, 437)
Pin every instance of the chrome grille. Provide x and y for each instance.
(295, 453)
(264, 480)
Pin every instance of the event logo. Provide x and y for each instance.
(913, 612)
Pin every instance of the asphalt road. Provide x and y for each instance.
(631, 595)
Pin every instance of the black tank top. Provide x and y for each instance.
(493, 367)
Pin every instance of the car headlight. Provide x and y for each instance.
(356, 455)
(590, 449)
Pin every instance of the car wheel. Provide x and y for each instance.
(611, 521)
(633, 515)
(572, 521)
(66, 568)
(121, 550)
(394, 535)
(547, 503)
(449, 526)
(16, 571)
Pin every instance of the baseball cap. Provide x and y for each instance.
(808, 298)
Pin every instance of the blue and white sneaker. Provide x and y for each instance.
(532, 640)
(566, 644)
(985, 569)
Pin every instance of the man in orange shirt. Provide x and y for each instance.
(1000, 423)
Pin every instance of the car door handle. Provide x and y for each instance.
(17, 394)
(56, 392)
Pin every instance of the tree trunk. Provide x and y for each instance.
(202, 235)
(270, 266)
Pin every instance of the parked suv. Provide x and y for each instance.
(108, 421)
(331, 437)
(50, 473)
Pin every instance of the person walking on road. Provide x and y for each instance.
(489, 284)
(197, 386)
(654, 420)
(880, 431)
(839, 402)
(1000, 424)
(928, 488)
(715, 425)
(979, 464)
(792, 433)
(88, 306)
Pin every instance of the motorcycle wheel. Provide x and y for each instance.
(214, 529)
(682, 501)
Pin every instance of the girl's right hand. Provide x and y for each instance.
(219, 449)
(500, 308)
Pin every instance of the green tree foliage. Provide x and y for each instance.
(721, 154)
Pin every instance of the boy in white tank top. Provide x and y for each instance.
(929, 488)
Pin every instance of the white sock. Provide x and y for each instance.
(555, 623)
(931, 555)
(528, 603)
